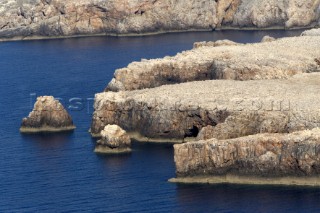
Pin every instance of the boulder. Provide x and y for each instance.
(48, 115)
(268, 39)
(113, 140)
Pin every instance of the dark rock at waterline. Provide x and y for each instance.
(48, 115)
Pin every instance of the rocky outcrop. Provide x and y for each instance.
(48, 115)
(312, 32)
(223, 60)
(259, 156)
(22, 19)
(114, 140)
(268, 39)
(232, 108)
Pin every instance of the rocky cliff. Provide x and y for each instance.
(223, 60)
(20, 19)
(259, 156)
(252, 130)
(232, 108)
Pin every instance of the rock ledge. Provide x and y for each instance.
(288, 158)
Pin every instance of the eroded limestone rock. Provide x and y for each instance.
(267, 39)
(312, 32)
(20, 19)
(257, 156)
(48, 115)
(232, 108)
(114, 140)
(223, 60)
(215, 43)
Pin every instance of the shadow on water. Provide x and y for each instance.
(49, 140)
(264, 198)
(114, 161)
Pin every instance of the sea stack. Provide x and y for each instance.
(48, 115)
(114, 141)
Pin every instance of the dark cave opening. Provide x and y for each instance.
(193, 132)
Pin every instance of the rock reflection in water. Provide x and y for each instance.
(264, 198)
(49, 140)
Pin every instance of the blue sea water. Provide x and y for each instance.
(61, 173)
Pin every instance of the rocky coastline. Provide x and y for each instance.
(295, 157)
(244, 113)
(35, 19)
(232, 108)
(223, 60)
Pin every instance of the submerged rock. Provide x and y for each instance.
(268, 39)
(281, 58)
(288, 158)
(232, 108)
(114, 140)
(48, 115)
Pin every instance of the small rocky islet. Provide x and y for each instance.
(250, 111)
(114, 140)
(48, 115)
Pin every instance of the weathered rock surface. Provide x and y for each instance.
(312, 32)
(42, 18)
(262, 155)
(232, 108)
(48, 115)
(223, 60)
(268, 39)
(114, 140)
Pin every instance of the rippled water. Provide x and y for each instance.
(60, 172)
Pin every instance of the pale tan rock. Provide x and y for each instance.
(215, 44)
(312, 32)
(48, 115)
(114, 140)
(232, 108)
(23, 19)
(268, 39)
(263, 155)
(223, 60)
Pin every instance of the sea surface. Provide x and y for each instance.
(61, 173)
